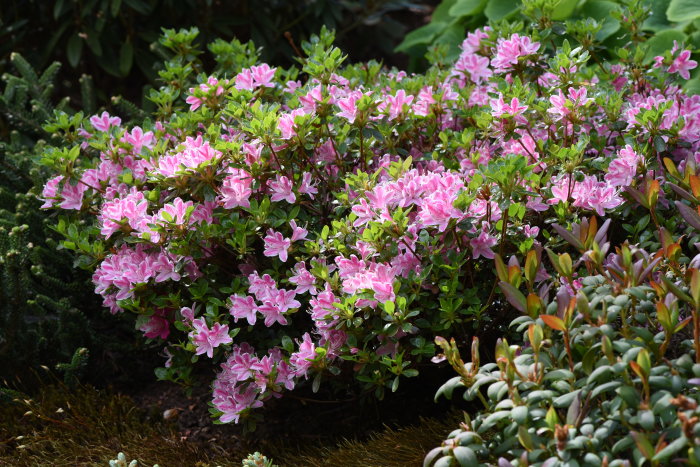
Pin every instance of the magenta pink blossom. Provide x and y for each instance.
(206, 339)
(276, 245)
(281, 189)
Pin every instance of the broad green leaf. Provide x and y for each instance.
(564, 9)
(663, 41)
(497, 10)
(421, 36)
(657, 20)
(465, 456)
(692, 86)
(600, 11)
(683, 10)
(467, 8)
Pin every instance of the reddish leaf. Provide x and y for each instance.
(553, 322)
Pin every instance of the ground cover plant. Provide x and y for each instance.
(315, 224)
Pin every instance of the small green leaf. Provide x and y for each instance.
(74, 50)
(126, 58)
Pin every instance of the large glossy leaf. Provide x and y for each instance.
(467, 8)
(564, 9)
(692, 86)
(421, 36)
(683, 10)
(663, 41)
(497, 10)
(601, 10)
(657, 20)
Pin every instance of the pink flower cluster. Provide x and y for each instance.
(165, 210)
(120, 273)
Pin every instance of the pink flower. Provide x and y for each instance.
(156, 326)
(622, 170)
(303, 359)
(72, 196)
(194, 101)
(236, 189)
(286, 123)
(475, 66)
(500, 108)
(394, 105)
(473, 41)
(348, 106)
(382, 283)
(138, 139)
(508, 51)
(594, 195)
(303, 279)
(559, 107)
(481, 245)
(280, 302)
(206, 339)
(263, 75)
(306, 187)
(50, 192)
(175, 212)
(309, 100)
(129, 210)
(243, 307)
(245, 80)
(276, 245)
(298, 233)
(261, 287)
(104, 122)
(531, 232)
(282, 189)
(682, 64)
(438, 209)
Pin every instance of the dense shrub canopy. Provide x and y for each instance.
(305, 223)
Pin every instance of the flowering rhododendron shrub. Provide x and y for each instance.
(292, 224)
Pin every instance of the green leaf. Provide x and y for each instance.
(683, 10)
(657, 20)
(672, 448)
(465, 456)
(643, 444)
(74, 50)
(126, 58)
(692, 86)
(421, 36)
(601, 10)
(661, 42)
(467, 8)
(497, 10)
(114, 7)
(492, 419)
(564, 9)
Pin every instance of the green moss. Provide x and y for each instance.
(59, 427)
(389, 448)
(86, 426)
